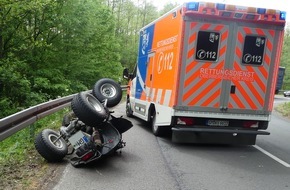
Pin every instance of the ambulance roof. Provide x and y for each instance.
(237, 12)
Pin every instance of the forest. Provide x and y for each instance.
(54, 48)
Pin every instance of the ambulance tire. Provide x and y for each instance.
(108, 89)
(129, 111)
(157, 130)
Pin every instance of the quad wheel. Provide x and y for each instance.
(50, 145)
(108, 89)
(89, 109)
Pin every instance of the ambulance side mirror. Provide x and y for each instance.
(126, 74)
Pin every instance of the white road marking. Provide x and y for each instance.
(272, 156)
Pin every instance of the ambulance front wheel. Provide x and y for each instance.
(157, 130)
(129, 111)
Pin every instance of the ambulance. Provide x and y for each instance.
(207, 72)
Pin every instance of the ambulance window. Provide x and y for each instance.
(207, 46)
(253, 52)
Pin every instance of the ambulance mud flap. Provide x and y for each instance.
(215, 136)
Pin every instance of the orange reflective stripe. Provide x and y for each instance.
(258, 80)
(267, 59)
(238, 52)
(192, 38)
(269, 45)
(272, 33)
(264, 72)
(240, 37)
(245, 94)
(208, 88)
(260, 31)
(237, 101)
(254, 90)
(200, 84)
(212, 98)
(190, 66)
(193, 25)
(190, 53)
(247, 30)
(225, 35)
(223, 50)
(217, 105)
(219, 27)
(205, 26)
(191, 78)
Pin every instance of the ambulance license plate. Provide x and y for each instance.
(219, 123)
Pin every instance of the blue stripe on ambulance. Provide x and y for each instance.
(145, 45)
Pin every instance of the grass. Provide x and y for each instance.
(21, 166)
(284, 109)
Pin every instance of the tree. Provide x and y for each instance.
(285, 59)
(54, 48)
(167, 7)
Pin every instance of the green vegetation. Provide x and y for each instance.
(20, 165)
(284, 109)
(55, 48)
(285, 60)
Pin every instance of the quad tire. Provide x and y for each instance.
(89, 109)
(49, 146)
(108, 89)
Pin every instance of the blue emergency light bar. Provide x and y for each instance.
(192, 6)
(282, 15)
(261, 11)
(227, 11)
(220, 6)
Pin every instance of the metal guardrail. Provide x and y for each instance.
(18, 121)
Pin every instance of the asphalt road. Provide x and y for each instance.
(152, 163)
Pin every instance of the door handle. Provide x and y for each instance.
(224, 108)
(233, 89)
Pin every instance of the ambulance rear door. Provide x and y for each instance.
(227, 66)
